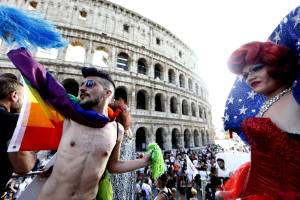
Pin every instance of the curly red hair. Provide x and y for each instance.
(282, 63)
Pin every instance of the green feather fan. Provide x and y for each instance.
(157, 160)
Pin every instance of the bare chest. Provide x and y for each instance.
(81, 139)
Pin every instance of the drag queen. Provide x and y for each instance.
(274, 133)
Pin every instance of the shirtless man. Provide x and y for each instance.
(84, 152)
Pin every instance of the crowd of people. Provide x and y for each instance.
(182, 184)
(94, 139)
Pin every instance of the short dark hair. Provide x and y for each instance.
(9, 75)
(281, 61)
(8, 85)
(92, 71)
(220, 159)
(164, 179)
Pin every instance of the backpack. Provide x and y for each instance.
(168, 195)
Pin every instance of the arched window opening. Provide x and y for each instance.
(185, 108)
(140, 140)
(193, 109)
(175, 138)
(190, 85)
(100, 57)
(159, 138)
(142, 66)
(46, 53)
(181, 81)
(171, 76)
(158, 72)
(196, 138)
(121, 93)
(75, 52)
(173, 106)
(159, 103)
(141, 100)
(123, 61)
(71, 86)
(203, 138)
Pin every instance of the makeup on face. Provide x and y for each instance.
(253, 69)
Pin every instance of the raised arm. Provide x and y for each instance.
(49, 88)
(115, 165)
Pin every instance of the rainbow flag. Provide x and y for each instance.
(39, 126)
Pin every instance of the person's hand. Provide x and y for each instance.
(128, 133)
(147, 159)
(46, 172)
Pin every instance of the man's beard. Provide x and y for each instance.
(90, 103)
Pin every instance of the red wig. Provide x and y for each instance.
(282, 63)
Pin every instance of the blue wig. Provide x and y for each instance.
(28, 30)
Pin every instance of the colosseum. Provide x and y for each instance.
(154, 71)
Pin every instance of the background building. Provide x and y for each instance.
(154, 71)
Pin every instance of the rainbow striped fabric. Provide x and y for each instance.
(39, 126)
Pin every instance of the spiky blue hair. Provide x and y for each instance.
(28, 30)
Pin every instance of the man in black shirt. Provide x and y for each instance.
(11, 97)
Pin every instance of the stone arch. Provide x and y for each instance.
(173, 105)
(140, 139)
(121, 93)
(47, 53)
(203, 137)
(197, 88)
(185, 107)
(141, 100)
(158, 71)
(207, 137)
(100, 56)
(123, 61)
(200, 112)
(187, 138)
(193, 107)
(160, 137)
(71, 86)
(142, 67)
(171, 76)
(75, 52)
(190, 84)
(159, 102)
(181, 81)
(175, 138)
(204, 114)
(197, 138)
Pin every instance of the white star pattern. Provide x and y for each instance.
(226, 117)
(277, 37)
(251, 95)
(230, 100)
(296, 19)
(243, 110)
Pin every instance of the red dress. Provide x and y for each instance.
(274, 172)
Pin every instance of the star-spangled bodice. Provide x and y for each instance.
(275, 160)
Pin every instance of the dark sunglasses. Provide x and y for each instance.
(89, 83)
(254, 69)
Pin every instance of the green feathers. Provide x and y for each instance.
(157, 160)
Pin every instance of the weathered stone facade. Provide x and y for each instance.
(154, 71)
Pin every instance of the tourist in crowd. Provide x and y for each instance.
(164, 193)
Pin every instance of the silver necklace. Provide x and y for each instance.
(265, 107)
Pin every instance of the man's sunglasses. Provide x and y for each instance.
(89, 83)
